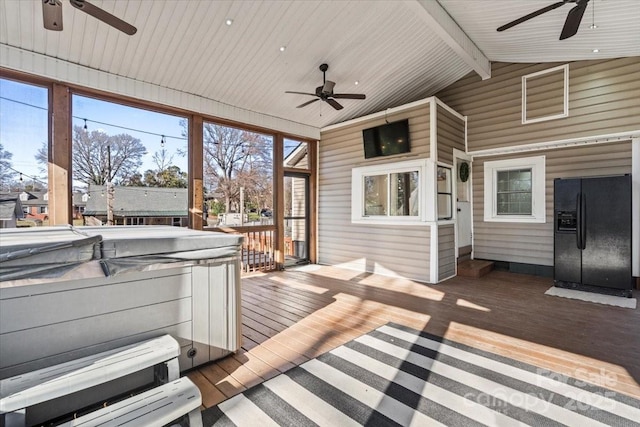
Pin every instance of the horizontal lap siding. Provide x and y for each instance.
(450, 134)
(386, 249)
(446, 251)
(603, 99)
(533, 243)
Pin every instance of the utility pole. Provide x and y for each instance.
(109, 188)
(241, 205)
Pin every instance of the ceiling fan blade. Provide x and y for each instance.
(334, 104)
(104, 16)
(574, 17)
(52, 14)
(531, 15)
(328, 87)
(348, 96)
(308, 102)
(300, 93)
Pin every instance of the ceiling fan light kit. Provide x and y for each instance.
(325, 92)
(52, 15)
(571, 24)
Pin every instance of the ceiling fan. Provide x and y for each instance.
(52, 14)
(571, 24)
(325, 92)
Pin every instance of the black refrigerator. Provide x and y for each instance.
(592, 234)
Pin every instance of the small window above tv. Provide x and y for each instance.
(386, 140)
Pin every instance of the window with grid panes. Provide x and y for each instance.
(514, 192)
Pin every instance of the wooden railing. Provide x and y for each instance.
(258, 246)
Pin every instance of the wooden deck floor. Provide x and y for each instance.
(290, 317)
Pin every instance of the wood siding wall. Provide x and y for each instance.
(533, 243)
(446, 251)
(386, 249)
(603, 99)
(450, 134)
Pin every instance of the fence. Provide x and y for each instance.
(258, 246)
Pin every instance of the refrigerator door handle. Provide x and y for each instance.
(583, 220)
(579, 221)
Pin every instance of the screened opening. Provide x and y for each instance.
(296, 154)
(131, 163)
(238, 176)
(24, 131)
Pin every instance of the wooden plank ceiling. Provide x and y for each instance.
(390, 47)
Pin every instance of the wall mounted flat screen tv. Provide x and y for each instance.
(386, 140)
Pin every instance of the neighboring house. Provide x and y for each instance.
(138, 206)
(595, 135)
(35, 204)
(79, 201)
(10, 211)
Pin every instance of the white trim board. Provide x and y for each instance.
(565, 95)
(378, 115)
(635, 207)
(388, 111)
(563, 143)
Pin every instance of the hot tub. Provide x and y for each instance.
(66, 292)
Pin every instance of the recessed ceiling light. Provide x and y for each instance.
(283, 48)
(356, 83)
(229, 21)
(595, 50)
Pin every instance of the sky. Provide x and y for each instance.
(23, 125)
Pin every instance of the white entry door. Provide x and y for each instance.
(464, 224)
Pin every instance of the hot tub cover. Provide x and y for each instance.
(44, 251)
(51, 251)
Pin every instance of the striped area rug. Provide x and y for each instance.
(399, 376)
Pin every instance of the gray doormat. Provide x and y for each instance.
(592, 297)
(399, 376)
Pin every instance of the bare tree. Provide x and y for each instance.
(6, 174)
(235, 158)
(99, 158)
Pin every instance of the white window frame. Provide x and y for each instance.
(357, 192)
(565, 92)
(538, 190)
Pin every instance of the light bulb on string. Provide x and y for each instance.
(20, 176)
(85, 124)
(593, 17)
(145, 193)
(162, 141)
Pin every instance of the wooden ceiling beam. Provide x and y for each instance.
(450, 32)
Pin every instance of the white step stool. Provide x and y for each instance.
(156, 407)
(19, 392)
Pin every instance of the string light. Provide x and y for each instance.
(20, 176)
(162, 141)
(97, 122)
